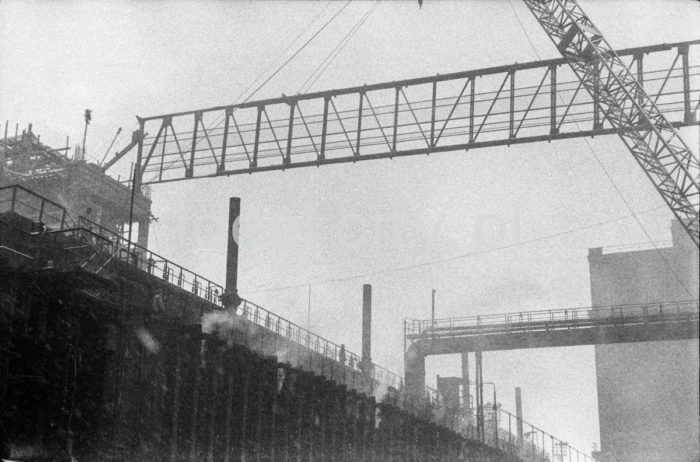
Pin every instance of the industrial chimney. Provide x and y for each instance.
(366, 326)
(230, 298)
(519, 413)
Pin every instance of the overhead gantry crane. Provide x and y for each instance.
(448, 113)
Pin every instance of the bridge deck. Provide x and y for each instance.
(564, 327)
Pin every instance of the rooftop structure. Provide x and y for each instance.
(83, 188)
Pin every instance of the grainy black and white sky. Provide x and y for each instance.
(338, 227)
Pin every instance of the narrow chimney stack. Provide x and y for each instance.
(230, 298)
(367, 323)
(519, 413)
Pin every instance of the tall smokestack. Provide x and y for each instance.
(519, 413)
(465, 379)
(230, 298)
(367, 323)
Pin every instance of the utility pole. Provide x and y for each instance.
(88, 118)
(3, 153)
(308, 319)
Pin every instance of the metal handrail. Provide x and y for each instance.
(46, 208)
(552, 318)
(211, 292)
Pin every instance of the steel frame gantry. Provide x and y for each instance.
(518, 103)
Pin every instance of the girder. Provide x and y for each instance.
(519, 103)
(645, 130)
(554, 328)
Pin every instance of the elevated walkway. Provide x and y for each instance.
(674, 320)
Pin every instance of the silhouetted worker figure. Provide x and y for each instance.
(341, 355)
(158, 305)
(420, 3)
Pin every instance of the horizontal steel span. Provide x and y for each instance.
(553, 328)
(518, 103)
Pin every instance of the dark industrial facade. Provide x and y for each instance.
(110, 352)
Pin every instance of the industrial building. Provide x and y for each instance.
(112, 352)
(647, 391)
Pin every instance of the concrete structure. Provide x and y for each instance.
(647, 392)
(83, 188)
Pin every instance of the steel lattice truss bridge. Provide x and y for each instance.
(518, 103)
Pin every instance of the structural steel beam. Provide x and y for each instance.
(556, 328)
(519, 103)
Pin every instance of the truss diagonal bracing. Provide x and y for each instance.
(519, 103)
(649, 135)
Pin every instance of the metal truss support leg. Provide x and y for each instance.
(479, 398)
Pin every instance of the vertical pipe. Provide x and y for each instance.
(224, 141)
(396, 118)
(640, 77)
(519, 414)
(256, 146)
(2, 154)
(479, 398)
(290, 132)
(683, 50)
(512, 105)
(432, 311)
(367, 324)
(597, 124)
(230, 298)
(432, 115)
(495, 416)
(510, 434)
(162, 153)
(553, 130)
(189, 173)
(324, 128)
(465, 379)
(471, 111)
(359, 125)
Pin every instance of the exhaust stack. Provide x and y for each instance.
(367, 324)
(230, 297)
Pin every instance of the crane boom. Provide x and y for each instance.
(650, 137)
(136, 136)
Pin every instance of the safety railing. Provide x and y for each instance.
(93, 247)
(533, 445)
(155, 264)
(549, 319)
(32, 206)
(176, 275)
(260, 316)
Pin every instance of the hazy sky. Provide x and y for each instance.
(338, 227)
